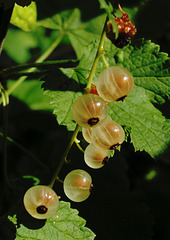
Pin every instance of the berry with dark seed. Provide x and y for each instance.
(108, 136)
(89, 110)
(94, 157)
(41, 202)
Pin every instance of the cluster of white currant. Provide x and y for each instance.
(99, 130)
(103, 134)
(42, 202)
(90, 111)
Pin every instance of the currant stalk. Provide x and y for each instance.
(64, 157)
(5, 100)
(78, 145)
(25, 150)
(86, 90)
(100, 51)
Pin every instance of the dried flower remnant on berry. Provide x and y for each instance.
(126, 30)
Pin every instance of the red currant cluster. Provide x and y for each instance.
(90, 111)
(126, 30)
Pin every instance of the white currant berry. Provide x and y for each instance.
(89, 110)
(114, 83)
(77, 185)
(109, 135)
(87, 134)
(95, 157)
(41, 202)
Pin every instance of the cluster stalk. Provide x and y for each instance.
(86, 90)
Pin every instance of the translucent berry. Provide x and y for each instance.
(109, 135)
(87, 134)
(89, 110)
(95, 157)
(77, 185)
(114, 83)
(41, 202)
(94, 91)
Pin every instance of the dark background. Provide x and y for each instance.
(123, 205)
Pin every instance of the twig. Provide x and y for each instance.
(86, 90)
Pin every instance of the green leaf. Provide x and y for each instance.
(63, 100)
(29, 44)
(31, 93)
(69, 87)
(62, 95)
(24, 18)
(148, 128)
(80, 34)
(65, 224)
(150, 68)
(17, 40)
(150, 131)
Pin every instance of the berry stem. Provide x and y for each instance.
(121, 10)
(98, 54)
(78, 145)
(64, 157)
(104, 60)
(86, 90)
(59, 180)
(25, 150)
(5, 101)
